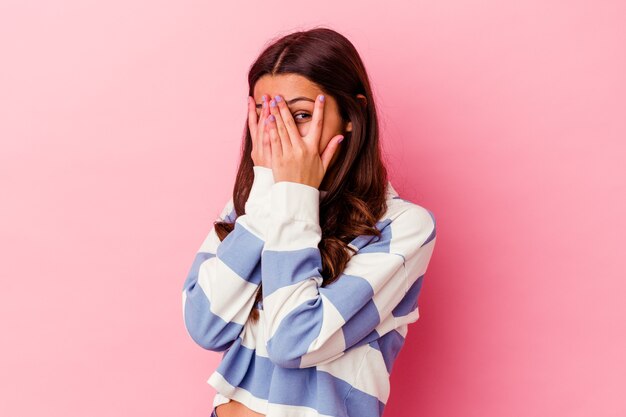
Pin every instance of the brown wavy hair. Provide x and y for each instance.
(356, 198)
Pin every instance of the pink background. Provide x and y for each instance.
(120, 126)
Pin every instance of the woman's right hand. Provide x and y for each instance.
(261, 148)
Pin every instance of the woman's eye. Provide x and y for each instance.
(295, 116)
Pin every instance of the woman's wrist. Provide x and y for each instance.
(261, 185)
(295, 201)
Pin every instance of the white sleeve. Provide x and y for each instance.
(218, 293)
(307, 324)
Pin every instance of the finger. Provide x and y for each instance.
(315, 132)
(284, 135)
(329, 152)
(263, 114)
(252, 117)
(276, 143)
(267, 146)
(287, 119)
(260, 128)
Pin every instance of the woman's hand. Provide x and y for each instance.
(296, 158)
(261, 152)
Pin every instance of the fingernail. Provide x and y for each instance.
(278, 98)
(340, 139)
(263, 97)
(272, 103)
(322, 98)
(271, 118)
(264, 104)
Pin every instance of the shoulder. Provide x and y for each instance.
(228, 212)
(406, 225)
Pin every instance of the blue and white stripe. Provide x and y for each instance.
(315, 351)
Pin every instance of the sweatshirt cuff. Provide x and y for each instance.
(263, 180)
(257, 205)
(295, 201)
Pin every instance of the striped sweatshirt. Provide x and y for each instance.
(315, 351)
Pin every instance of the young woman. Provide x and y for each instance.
(310, 276)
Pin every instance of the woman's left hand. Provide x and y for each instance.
(296, 158)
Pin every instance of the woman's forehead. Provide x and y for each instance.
(289, 86)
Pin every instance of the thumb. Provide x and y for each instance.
(330, 150)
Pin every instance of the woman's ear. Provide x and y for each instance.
(363, 100)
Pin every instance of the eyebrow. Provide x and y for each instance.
(293, 100)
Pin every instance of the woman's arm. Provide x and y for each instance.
(307, 324)
(219, 291)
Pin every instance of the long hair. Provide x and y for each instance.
(356, 198)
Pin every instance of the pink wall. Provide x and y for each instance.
(120, 125)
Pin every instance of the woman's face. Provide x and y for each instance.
(299, 94)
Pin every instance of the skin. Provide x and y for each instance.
(301, 144)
